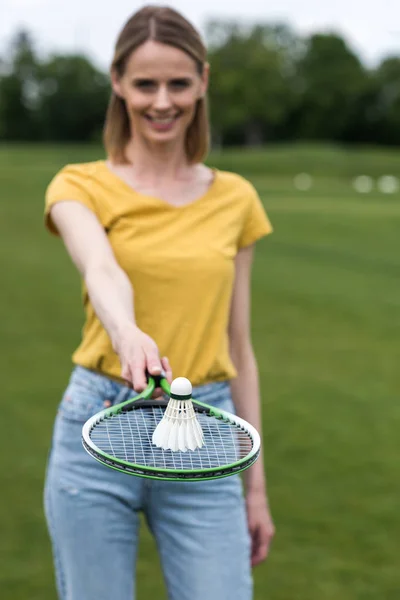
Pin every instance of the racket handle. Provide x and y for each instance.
(157, 378)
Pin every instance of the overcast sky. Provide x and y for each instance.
(371, 28)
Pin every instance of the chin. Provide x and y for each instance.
(170, 137)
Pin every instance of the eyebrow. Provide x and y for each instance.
(142, 80)
(185, 79)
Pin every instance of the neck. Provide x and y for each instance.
(158, 162)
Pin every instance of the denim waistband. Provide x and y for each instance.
(117, 388)
(89, 392)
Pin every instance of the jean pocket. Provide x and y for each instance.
(87, 393)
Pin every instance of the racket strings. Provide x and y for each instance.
(127, 436)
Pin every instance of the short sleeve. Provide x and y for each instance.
(256, 224)
(71, 183)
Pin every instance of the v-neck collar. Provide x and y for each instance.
(132, 190)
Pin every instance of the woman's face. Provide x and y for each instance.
(161, 86)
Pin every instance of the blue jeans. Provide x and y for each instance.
(92, 513)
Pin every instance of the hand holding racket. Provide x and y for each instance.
(138, 354)
(121, 437)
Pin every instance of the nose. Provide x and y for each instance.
(162, 100)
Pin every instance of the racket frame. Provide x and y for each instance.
(144, 400)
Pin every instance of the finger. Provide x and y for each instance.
(167, 368)
(153, 361)
(137, 368)
(254, 544)
(159, 392)
(261, 541)
(259, 555)
(126, 373)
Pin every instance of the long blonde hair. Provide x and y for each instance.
(167, 26)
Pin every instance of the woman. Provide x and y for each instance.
(164, 246)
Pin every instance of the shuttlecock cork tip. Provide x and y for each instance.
(181, 387)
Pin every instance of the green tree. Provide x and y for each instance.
(250, 85)
(73, 99)
(387, 101)
(60, 98)
(19, 90)
(330, 81)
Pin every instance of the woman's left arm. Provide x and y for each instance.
(246, 398)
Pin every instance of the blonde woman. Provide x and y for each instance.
(164, 246)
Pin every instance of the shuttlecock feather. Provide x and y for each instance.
(179, 428)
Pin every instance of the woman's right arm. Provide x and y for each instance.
(109, 289)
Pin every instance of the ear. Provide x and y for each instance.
(204, 80)
(116, 83)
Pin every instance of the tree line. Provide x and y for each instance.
(268, 84)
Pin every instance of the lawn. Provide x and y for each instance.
(326, 329)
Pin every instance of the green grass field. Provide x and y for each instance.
(326, 330)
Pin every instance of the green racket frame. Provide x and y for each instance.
(158, 472)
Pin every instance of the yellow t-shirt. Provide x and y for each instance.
(180, 261)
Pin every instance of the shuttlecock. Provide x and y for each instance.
(179, 428)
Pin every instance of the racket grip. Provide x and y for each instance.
(157, 378)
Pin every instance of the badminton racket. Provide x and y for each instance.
(120, 437)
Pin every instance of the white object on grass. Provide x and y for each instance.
(388, 184)
(179, 428)
(363, 184)
(303, 182)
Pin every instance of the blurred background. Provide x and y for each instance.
(305, 102)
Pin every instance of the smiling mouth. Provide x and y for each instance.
(163, 121)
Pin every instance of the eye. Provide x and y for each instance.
(180, 84)
(145, 84)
